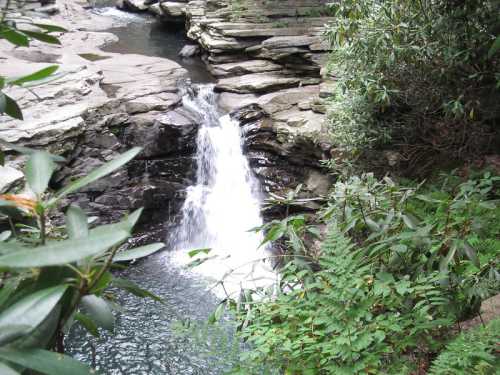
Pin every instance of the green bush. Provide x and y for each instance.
(346, 318)
(398, 266)
(422, 73)
(472, 353)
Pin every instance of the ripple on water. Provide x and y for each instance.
(145, 340)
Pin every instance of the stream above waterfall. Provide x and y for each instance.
(144, 35)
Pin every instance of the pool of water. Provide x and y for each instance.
(146, 340)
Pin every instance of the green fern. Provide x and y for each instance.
(471, 353)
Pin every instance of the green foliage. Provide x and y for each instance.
(52, 277)
(417, 72)
(472, 353)
(398, 266)
(436, 230)
(346, 318)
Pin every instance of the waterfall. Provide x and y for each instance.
(224, 204)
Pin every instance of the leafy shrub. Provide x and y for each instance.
(52, 277)
(347, 318)
(422, 72)
(398, 266)
(472, 353)
(452, 228)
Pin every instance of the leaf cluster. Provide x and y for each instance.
(398, 266)
(415, 74)
(53, 277)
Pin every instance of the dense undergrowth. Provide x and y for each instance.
(399, 267)
(420, 78)
(380, 280)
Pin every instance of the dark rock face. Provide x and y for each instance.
(155, 180)
(283, 163)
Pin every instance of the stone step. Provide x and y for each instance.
(262, 83)
(244, 67)
(261, 32)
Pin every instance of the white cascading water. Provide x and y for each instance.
(223, 205)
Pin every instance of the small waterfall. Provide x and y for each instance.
(224, 204)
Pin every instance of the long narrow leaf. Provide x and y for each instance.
(50, 28)
(6, 370)
(39, 170)
(45, 362)
(63, 252)
(9, 107)
(42, 37)
(134, 289)
(76, 222)
(36, 76)
(30, 311)
(138, 252)
(126, 224)
(99, 311)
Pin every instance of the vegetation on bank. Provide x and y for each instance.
(420, 78)
(400, 263)
(399, 268)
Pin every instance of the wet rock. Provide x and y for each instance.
(256, 83)
(132, 5)
(9, 177)
(102, 105)
(173, 9)
(190, 50)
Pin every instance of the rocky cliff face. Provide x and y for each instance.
(269, 58)
(268, 61)
(101, 105)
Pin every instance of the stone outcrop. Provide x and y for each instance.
(102, 104)
(269, 77)
(285, 144)
(251, 37)
(269, 59)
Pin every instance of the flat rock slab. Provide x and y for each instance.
(173, 9)
(90, 78)
(256, 83)
(299, 123)
(9, 177)
(290, 41)
(286, 99)
(244, 67)
(223, 44)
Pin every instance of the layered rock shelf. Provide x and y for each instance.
(101, 105)
(269, 60)
(269, 64)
